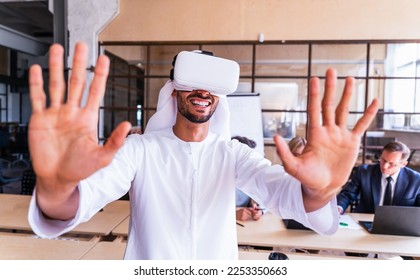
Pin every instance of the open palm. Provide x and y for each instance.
(63, 137)
(332, 149)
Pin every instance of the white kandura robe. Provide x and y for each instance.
(183, 196)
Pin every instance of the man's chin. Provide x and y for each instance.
(198, 120)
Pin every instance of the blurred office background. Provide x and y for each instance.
(278, 44)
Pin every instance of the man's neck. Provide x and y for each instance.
(190, 132)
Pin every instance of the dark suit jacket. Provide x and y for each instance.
(365, 185)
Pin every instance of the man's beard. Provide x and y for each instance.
(193, 118)
(183, 110)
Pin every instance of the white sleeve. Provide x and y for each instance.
(49, 228)
(106, 185)
(288, 197)
(281, 193)
(325, 220)
(91, 200)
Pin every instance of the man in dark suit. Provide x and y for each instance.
(368, 184)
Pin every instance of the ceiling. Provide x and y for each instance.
(25, 24)
(29, 17)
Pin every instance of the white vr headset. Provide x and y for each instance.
(193, 70)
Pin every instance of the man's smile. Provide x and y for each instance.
(201, 103)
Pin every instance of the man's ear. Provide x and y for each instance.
(404, 163)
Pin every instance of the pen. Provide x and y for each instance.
(239, 224)
(258, 208)
(343, 224)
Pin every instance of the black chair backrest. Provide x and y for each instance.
(28, 182)
(4, 139)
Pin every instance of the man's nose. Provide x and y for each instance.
(202, 91)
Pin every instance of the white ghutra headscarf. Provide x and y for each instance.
(167, 109)
(197, 70)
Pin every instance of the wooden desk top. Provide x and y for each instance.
(115, 251)
(106, 251)
(16, 247)
(252, 255)
(14, 211)
(122, 228)
(269, 231)
(14, 215)
(105, 221)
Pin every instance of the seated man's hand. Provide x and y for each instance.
(249, 213)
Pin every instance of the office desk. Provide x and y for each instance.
(14, 212)
(115, 251)
(122, 228)
(252, 255)
(15, 247)
(269, 231)
(103, 222)
(106, 251)
(14, 216)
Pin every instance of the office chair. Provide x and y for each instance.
(5, 179)
(4, 146)
(20, 149)
(411, 156)
(28, 182)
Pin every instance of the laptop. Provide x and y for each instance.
(394, 220)
(293, 224)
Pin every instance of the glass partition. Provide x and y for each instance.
(280, 72)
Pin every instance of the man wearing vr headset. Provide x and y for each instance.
(182, 172)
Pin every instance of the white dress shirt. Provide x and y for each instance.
(182, 196)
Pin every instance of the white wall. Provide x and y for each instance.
(189, 20)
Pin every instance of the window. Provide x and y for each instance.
(402, 63)
(124, 97)
(280, 72)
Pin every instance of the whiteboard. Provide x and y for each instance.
(246, 118)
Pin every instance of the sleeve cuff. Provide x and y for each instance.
(48, 228)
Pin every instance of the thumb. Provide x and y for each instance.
(116, 140)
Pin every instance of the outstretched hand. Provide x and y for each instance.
(63, 136)
(332, 149)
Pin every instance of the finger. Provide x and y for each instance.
(247, 214)
(244, 214)
(257, 215)
(36, 89)
(328, 100)
(78, 74)
(287, 158)
(314, 104)
(342, 110)
(57, 84)
(114, 142)
(364, 122)
(98, 85)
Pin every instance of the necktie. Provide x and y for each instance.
(388, 192)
